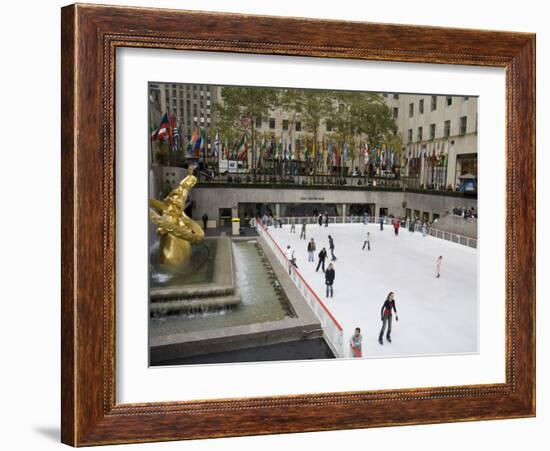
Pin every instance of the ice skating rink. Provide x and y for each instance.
(436, 316)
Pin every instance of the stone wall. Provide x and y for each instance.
(211, 199)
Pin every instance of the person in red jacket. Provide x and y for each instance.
(396, 225)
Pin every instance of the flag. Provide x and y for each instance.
(242, 149)
(161, 132)
(216, 147)
(226, 150)
(173, 133)
(204, 143)
(197, 143)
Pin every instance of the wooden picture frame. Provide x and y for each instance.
(90, 36)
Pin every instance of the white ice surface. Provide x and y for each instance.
(436, 316)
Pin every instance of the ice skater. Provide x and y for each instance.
(438, 266)
(289, 254)
(396, 225)
(355, 343)
(320, 220)
(386, 317)
(204, 221)
(303, 231)
(424, 229)
(311, 250)
(292, 225)
(326, 220)
(381, 222)
(367, 242)
(329, 280)
(322, 257)
(331, 247)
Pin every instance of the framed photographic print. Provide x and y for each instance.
(268, 232)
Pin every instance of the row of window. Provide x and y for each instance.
(271, 122)
(446, 130)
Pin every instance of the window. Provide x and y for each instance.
(432, 131)
(463, 123)
(271, 122)
(258, 121)
(447, 129)
(449, 100)
(329, 126)
(285, 124)
(419, 133)
(395, 112)
(410, 135)
(396, 96)
(465, 98)
(434, 103)
(385, 94)
(298, 126)
(421, 106)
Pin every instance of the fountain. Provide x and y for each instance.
(211, 295)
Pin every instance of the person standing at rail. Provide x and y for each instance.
(289, 254)
(355, 344)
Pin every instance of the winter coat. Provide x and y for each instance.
(322, 255)
(331, 243)
(311, 247)
(329, 276)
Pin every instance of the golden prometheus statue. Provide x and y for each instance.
(177, 230)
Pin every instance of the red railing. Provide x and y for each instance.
(335, 332)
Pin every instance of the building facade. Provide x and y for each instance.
(190, 103)
(434, 124)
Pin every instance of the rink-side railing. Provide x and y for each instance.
(436, 233)
(331, 327)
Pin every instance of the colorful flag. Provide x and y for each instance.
(161, 132)
(242, 149)
(197, 143)
(216, 147)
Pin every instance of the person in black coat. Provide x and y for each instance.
(322, 256)
(386, 317)
(326, 220)
(329, 280)
(320, 220)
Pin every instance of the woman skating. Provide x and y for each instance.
(386, 317)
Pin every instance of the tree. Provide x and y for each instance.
(357, 115)
(312, 107)
(241, 106)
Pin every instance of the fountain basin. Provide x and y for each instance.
(272, 312)
(213, 289)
